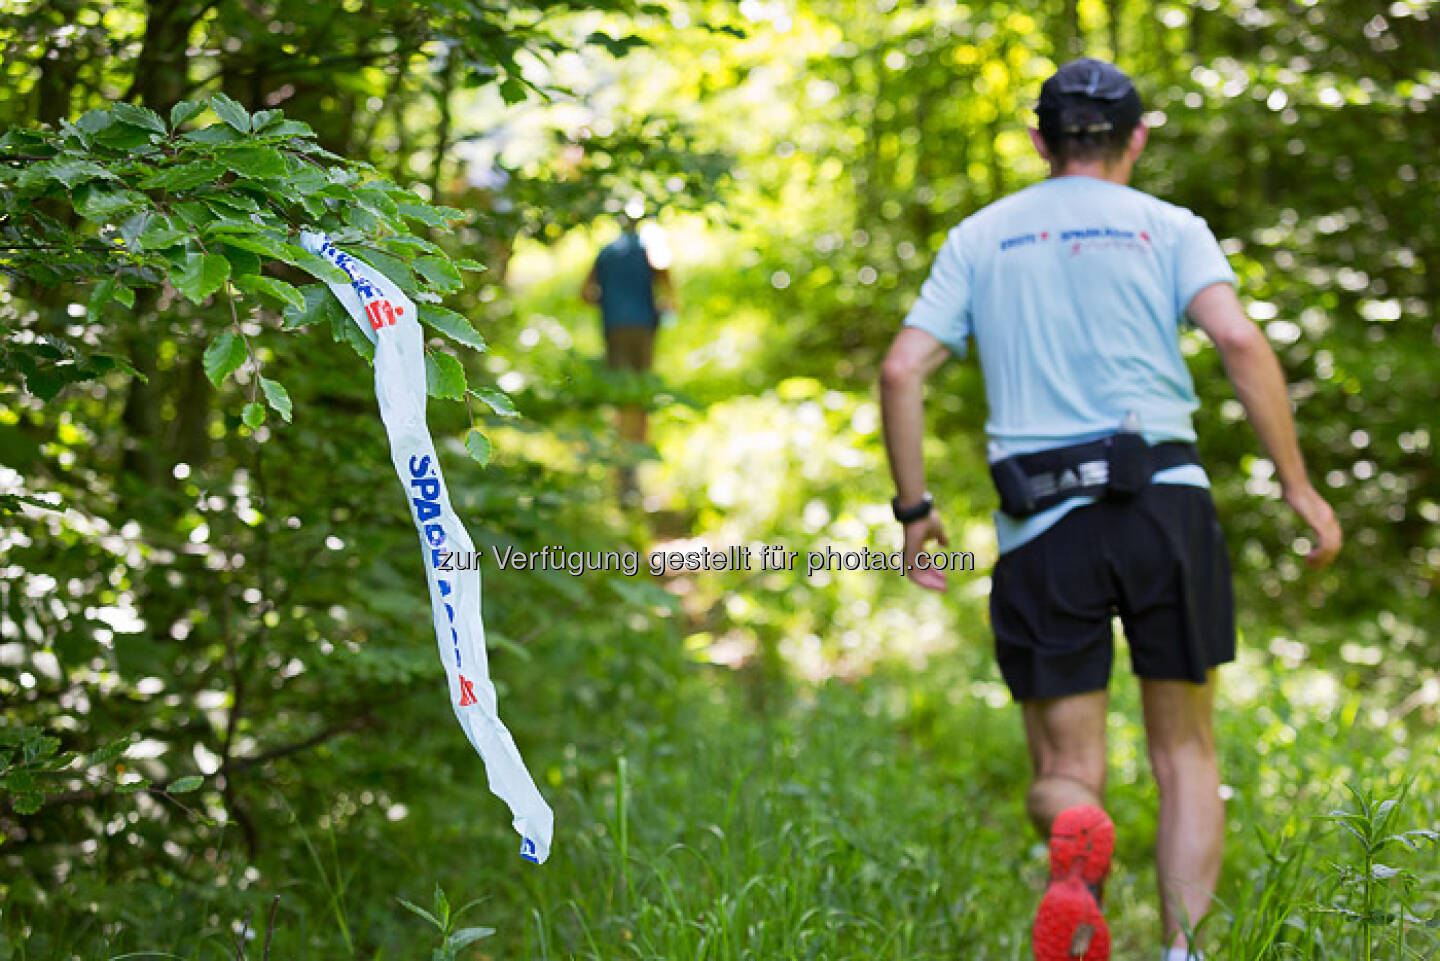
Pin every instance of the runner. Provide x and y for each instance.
(1073, 291)
(632, 291)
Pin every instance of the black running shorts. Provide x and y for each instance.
(1158, 560)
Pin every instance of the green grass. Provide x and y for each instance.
(876, 819)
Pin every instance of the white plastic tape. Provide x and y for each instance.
(389, 319)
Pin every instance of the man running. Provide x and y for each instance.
(1073, 291)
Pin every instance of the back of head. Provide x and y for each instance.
(1087, 112)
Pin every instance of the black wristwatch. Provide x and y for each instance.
(917, 511)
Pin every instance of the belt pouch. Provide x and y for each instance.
(1013, 486)
(1130, 465)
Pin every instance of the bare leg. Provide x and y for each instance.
(1067, 751)
(632, 424)
(1178, 725)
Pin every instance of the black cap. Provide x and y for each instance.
(1088, 96)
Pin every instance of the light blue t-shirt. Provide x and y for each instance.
(1074, 290)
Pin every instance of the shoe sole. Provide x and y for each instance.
(1069, 925)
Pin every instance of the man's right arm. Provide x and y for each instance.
(1260, 385)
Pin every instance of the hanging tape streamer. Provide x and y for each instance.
(388, 318)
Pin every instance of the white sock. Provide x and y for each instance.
(1180, 954)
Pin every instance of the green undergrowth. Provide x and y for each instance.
(872, 819)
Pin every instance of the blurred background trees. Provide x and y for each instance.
(243, 603)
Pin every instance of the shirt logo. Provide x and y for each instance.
(1080, 239)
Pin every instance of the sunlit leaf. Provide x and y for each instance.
(231, 112)
(444, 376)
(277, 397)
(223, 357)
(451, 324)
(478, 446)
(184, 785)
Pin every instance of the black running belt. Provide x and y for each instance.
(1030, 483)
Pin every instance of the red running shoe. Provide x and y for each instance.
(1069, 925)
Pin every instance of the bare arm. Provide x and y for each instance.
(913, 356)
(1260, 385)
(590, 290)
(664, 291)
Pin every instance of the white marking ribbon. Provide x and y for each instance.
(389, 319)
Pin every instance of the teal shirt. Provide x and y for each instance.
(627, 284)
(1073, 291)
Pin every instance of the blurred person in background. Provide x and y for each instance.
(1074, 291)
(630, 283)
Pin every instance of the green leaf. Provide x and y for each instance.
(466, 936)
(277, 397)
(242, 262)
(465, 263)
(256, 163)
(291, 128)
(185, 176)
(253, 415)
(103, 293)
(426, 214)
(260, 243)
(124, 136)
(202, 275)
(184, 785)
(316, 304)
(183, 111)
(125, 295)
(272, 288)
(451, 324)
(94, 121)
(130, 787)
(389, 265)
(321, 268)
(101, 204)
(160, 232)
(496, 400)
(223, 357)
(264, 118)
(68, 171)
(477, 445)
(444, 376)
(439, 272)
(346, 331)
(141, 117)
(422, 912)
(231, 112)
(133, 227)
(215, 133)
(512, 90)
(27, 803)
(108, 753)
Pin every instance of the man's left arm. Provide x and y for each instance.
(913, 356)
(664, 290)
